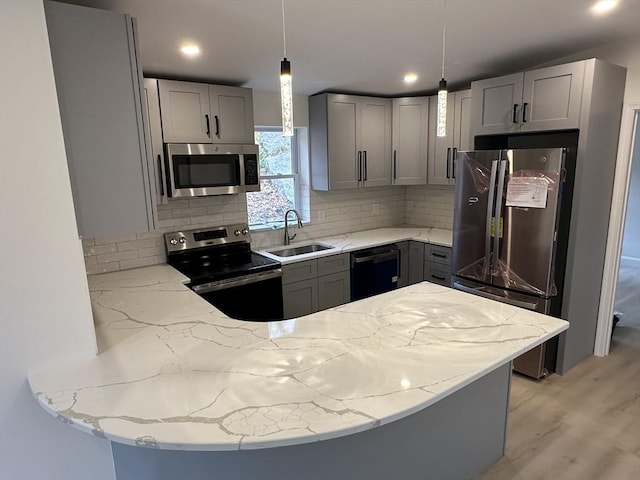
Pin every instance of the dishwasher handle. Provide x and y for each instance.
(374, 257)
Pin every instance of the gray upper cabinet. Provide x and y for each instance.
(153, 134)
(350, 140)
(98, 81)
(201, 113)
(442, 150)
(542, 99)
(410, 133)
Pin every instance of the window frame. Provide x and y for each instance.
(295, 174)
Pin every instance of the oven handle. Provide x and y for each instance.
(237, 282)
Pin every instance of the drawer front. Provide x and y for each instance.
(297, 272)
(333, 264)
(438, 254)
(437, 274)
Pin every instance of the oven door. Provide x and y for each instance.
(256, 296)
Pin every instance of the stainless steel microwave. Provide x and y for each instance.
(195, 170)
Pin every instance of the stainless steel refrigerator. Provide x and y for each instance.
(507, 227)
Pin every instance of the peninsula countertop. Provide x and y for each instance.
(175, 373)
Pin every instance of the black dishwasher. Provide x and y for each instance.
(374, 271)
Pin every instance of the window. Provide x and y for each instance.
(279, 180)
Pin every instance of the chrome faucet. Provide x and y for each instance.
(287, 238)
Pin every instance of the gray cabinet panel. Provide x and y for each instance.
(333, 264)
(493, 103)
(403, 267)
(185, 109)
(416, 262)
(99, 92)
(375, 135)
(410, 133)
(300, 298)
(334, 290)
(231, 114)
(153, 130)
(343, 143)
(296, 272)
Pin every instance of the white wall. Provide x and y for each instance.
(45, 314)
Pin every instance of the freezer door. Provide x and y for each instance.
(476, 174)
(527, 214)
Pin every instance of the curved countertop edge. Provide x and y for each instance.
(172, 281)
(349, 242)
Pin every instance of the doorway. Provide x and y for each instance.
(621, 276)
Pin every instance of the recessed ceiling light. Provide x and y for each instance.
(604, 6)
(190, 50)
(410, 78)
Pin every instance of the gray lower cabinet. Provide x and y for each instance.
(416, 262)
(403, 266)
(314, 285)
(98, 81)
(437, 264)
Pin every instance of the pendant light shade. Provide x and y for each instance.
(286, 88)
(286, 97)
(441, 128)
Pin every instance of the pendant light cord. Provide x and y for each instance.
(284, 32)
(444, 34)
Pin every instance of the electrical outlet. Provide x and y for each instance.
(321, 215)
(376, 209)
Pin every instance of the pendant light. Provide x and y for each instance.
(441, 129)
(286, 90)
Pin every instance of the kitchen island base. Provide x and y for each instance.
(456, 438)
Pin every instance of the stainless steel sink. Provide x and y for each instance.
(292, 251)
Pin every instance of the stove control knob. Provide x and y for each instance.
(173, 241)
(236, 233)
(245, 231)
(182, 240)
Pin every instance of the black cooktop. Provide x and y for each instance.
(219, 262)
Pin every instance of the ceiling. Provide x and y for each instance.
(365, 46)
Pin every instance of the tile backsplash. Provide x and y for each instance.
(331, 213)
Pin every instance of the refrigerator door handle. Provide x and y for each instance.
(497, 225)
(491, 296)
(489, 217)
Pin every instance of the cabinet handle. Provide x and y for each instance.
(359, 166)
(524, 112)
(453, 162)
(438, 277)
(395, 165)
(160, 175)
(364, 159)
(206, 117)
(215, 117)
(448, 155)
(515, 113)
(438, 255)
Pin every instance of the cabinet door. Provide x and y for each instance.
(296, 272)
(334, 290)
(343, 149)
(186, 115)
(441, 148)
(462, 139)
(98, 82)
(403, 265)
(231, 114)
(300, 298)
(552, 97)
(439, 274)
(375, 141)
(153, 131)
(410, 132)
(416, 262)
(496, 105)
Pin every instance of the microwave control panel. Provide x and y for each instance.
(251, 176)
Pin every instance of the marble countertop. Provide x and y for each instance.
(350, 242)
(175, 373)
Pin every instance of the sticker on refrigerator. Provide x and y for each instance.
(528, 192)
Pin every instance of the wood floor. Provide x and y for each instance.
(584, 425)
